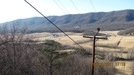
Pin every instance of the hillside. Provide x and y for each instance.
(115, 20)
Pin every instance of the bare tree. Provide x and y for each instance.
(13, 50)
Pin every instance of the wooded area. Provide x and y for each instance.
(19, 56)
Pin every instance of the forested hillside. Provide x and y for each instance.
(114, 20)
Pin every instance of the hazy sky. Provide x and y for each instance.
(17, 9)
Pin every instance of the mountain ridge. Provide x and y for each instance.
(87, 19)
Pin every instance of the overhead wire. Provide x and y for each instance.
(54, 25)
(75, 6)
(69, 15)
(59, 6)
(64, 7)
(92, 5)
(70, 18)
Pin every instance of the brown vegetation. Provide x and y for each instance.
(18, 56)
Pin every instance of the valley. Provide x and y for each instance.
(109, 46)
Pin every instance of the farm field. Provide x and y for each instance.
(109, 45)
(126, 42)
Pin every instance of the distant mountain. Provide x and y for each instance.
(118, 16)
(115, 20)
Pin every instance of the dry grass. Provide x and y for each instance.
(125, 44)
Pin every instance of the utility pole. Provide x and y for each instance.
(94, 39)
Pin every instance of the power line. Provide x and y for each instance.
(63, 6)
(75, 6)
(54, 25)
(92, 5)
(76, 9)
(70, 18)
(59, 6)
(66, 11)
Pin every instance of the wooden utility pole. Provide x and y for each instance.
(94, 39)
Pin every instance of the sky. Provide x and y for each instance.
(18, 9)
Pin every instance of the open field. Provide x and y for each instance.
(116, 44)
(126, 42)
